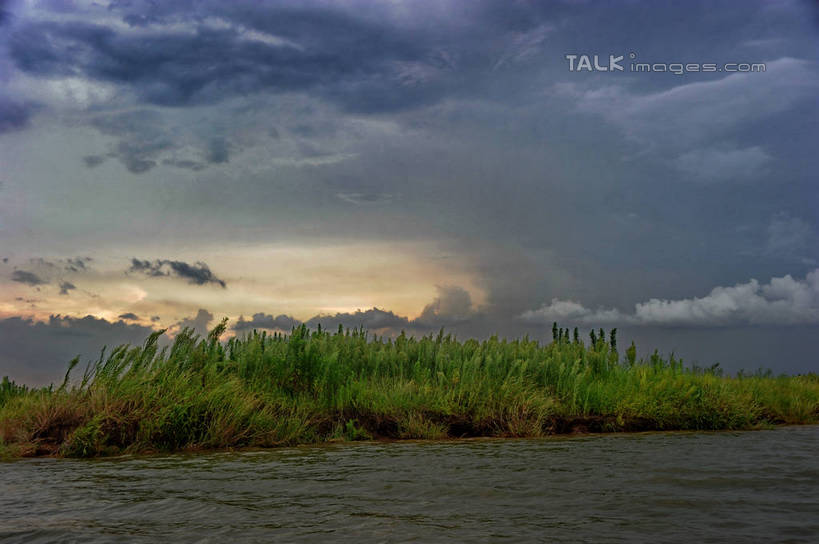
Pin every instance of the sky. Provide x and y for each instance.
(410, 165)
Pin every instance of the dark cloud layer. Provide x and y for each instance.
(38, 353)
(197, 274)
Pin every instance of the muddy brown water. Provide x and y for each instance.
(760, 486)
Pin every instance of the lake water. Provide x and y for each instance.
(758, 486)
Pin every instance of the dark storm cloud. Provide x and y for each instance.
(266, 321)
(198, 273)
(66, 286)
(28, 278)
(38, 353)
(331, 50)
(129, 316)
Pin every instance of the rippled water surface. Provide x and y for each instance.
(687, 487)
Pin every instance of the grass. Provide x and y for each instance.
(264, 390)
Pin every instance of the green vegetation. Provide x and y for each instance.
(311, 386)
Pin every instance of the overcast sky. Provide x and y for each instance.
(409, 165)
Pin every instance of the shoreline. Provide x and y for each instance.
(577, 428)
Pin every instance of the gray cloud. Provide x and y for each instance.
(197, 274)
(373, 319)
(452, 305)
(77, 264)
(66, 286)
(280, 322)
(199, 323)
(28, 278)
(129, 316)
(788, 236)
(13, 115)
(92, 161)
(38, 353)
(715, 165)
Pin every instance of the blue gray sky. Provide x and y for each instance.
(409, 166)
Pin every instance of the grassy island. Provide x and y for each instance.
(263, 390)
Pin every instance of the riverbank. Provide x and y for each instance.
(313, 386)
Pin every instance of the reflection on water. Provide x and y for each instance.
(689, 487)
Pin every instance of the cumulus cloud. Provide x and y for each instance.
(128, 316)
(28, 278)
(452, 305)
(199, 323)
(197, 274)
(260, 320)
(782, 301)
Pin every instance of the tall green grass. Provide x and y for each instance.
(313, 386)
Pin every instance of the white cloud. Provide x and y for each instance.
(574, 312)
(782, 301)
(714, 165)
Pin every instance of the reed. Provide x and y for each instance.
(262, 390)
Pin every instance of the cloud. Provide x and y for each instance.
(77, 264)
(788, 236)
(28, 278)
(199, 323)
(564, 311)
(129, 316)
(37, 353)
(197, 274)
(714, 165)
(452, 305)
(280, 322)
(218, 151)
(183, 58)
(14, 115)
(366, 198)
(66, 286)
(691, 113)
(92, 161)
(782, 301)
(373, 319)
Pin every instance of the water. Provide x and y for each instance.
(672, 487)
